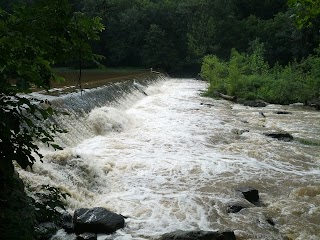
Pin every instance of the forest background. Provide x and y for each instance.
(176, 35)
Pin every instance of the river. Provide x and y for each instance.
(175, 159)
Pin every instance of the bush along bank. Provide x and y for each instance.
(249, 77)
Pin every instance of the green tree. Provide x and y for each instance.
(158, 51)
(33, 37)
(305, 11)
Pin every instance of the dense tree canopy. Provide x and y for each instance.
(193, 29)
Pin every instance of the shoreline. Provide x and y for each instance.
(91, 79)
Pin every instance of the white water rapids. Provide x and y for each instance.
(168, 162)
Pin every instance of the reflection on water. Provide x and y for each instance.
(169, 162)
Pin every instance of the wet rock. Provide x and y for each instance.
(198, 235)
(250, 194)
(237, 205)
(315, 103)
(282, 112)
(286, 137)
(66, 222)
(234, 208)
(96, 220)
(270, 221)
(45, 230)
(207, 104)
(87, 236)
(239, 131)
(255, 103)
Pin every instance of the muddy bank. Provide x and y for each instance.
(92, 79)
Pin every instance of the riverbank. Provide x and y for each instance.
(92, 78)
(250, 77)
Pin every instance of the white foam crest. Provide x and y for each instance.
(108, 119)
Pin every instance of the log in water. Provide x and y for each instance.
(168, 163)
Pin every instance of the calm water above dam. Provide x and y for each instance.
(168, 162)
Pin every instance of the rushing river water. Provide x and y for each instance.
(174, 160)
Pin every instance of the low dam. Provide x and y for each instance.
(167, 158)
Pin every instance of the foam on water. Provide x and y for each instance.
(168, 162)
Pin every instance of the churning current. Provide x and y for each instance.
(174, 160)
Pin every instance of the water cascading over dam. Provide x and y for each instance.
(174, 160)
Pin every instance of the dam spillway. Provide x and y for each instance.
(174, 160)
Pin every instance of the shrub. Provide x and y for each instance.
(249, 76)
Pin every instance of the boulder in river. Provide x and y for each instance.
(234, 208)
(198, 235)
(282, 136)
(250, 194)
(96, 220)
(255, 103)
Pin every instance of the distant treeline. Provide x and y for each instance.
(176, 35)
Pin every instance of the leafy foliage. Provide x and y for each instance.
(305, 11)
(19, 126)
(33, 37)
(49, 204)
(249, 76)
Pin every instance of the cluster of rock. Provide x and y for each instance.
(260, 103)
(251, 195)
(85, 223)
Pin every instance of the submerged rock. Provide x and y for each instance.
(315, 103)
(286, 137)
(237, 205)
(270, 221)
(234, 208)
(96, 220)
(282, 112)
(66, 222)
(255, 103)
(87, 236)
(45, 230)
(239, 131)
(250, 194)
(198, 235)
